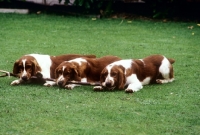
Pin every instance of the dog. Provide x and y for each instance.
(42, 66)
(133, 74)
(82, 69)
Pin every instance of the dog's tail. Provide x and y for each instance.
(171, 60)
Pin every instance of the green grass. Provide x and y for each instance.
(169, 109)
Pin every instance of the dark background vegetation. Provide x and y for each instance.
(171, 9)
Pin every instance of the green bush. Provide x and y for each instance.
(94, 6)
(162, 8)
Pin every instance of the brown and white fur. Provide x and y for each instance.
(82, 69)
(32, 64)
(133, 74)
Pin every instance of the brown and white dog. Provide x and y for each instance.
(133, 74)
(82, 69)
(33, 64)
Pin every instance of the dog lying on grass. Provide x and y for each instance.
(42, 66)
(82, 69)
(132, 74)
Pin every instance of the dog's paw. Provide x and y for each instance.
(129, 91)
(69, 86)
(159, 81)
(97, 88)
(15, 82)
(49, 83)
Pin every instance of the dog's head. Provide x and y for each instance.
(66, 71)
(113, 77)
(26, 67)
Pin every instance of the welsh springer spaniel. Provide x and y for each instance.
(82, 69)
(133, 74)
(40, 65)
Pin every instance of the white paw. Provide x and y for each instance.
(159, 81)
(69, 86)
(164, 80)
(15, 82)
(49, 84)
(133, 87)
(97, 88)
(129, 91)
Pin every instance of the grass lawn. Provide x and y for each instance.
(169, 109)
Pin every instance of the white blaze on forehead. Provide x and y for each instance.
(108, 78)
(44, 62)
(125, 63)
(60, 78)
(63, 68)
(78, 60)
(24, 64)
(109, 67)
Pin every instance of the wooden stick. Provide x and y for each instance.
(7, 74)
(73, 82)
(47, 79)
(50, 79)
(85, 83)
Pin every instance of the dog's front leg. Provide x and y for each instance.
(133, 87)
(98, 88)
(16, 82)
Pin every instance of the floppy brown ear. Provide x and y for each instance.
(36, 67)
(102, 76)
(15, 67)
(76, 74)
(56, 73)
(121, 78)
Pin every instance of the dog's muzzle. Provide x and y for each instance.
(24, 78)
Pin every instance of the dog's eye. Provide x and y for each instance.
(59, 72)
(28, 66)
(113, 74)
(105, 74)
(68, 73)
(20, 67)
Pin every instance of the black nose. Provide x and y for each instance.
(60, 83)
(108, 84)
(24, 78)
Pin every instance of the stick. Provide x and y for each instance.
(85, 83)
(7, 74)
(46, 79)
(72, 82)
(50, 79)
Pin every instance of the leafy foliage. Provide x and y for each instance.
(5, 0)
(93, 5)
(162, 8)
